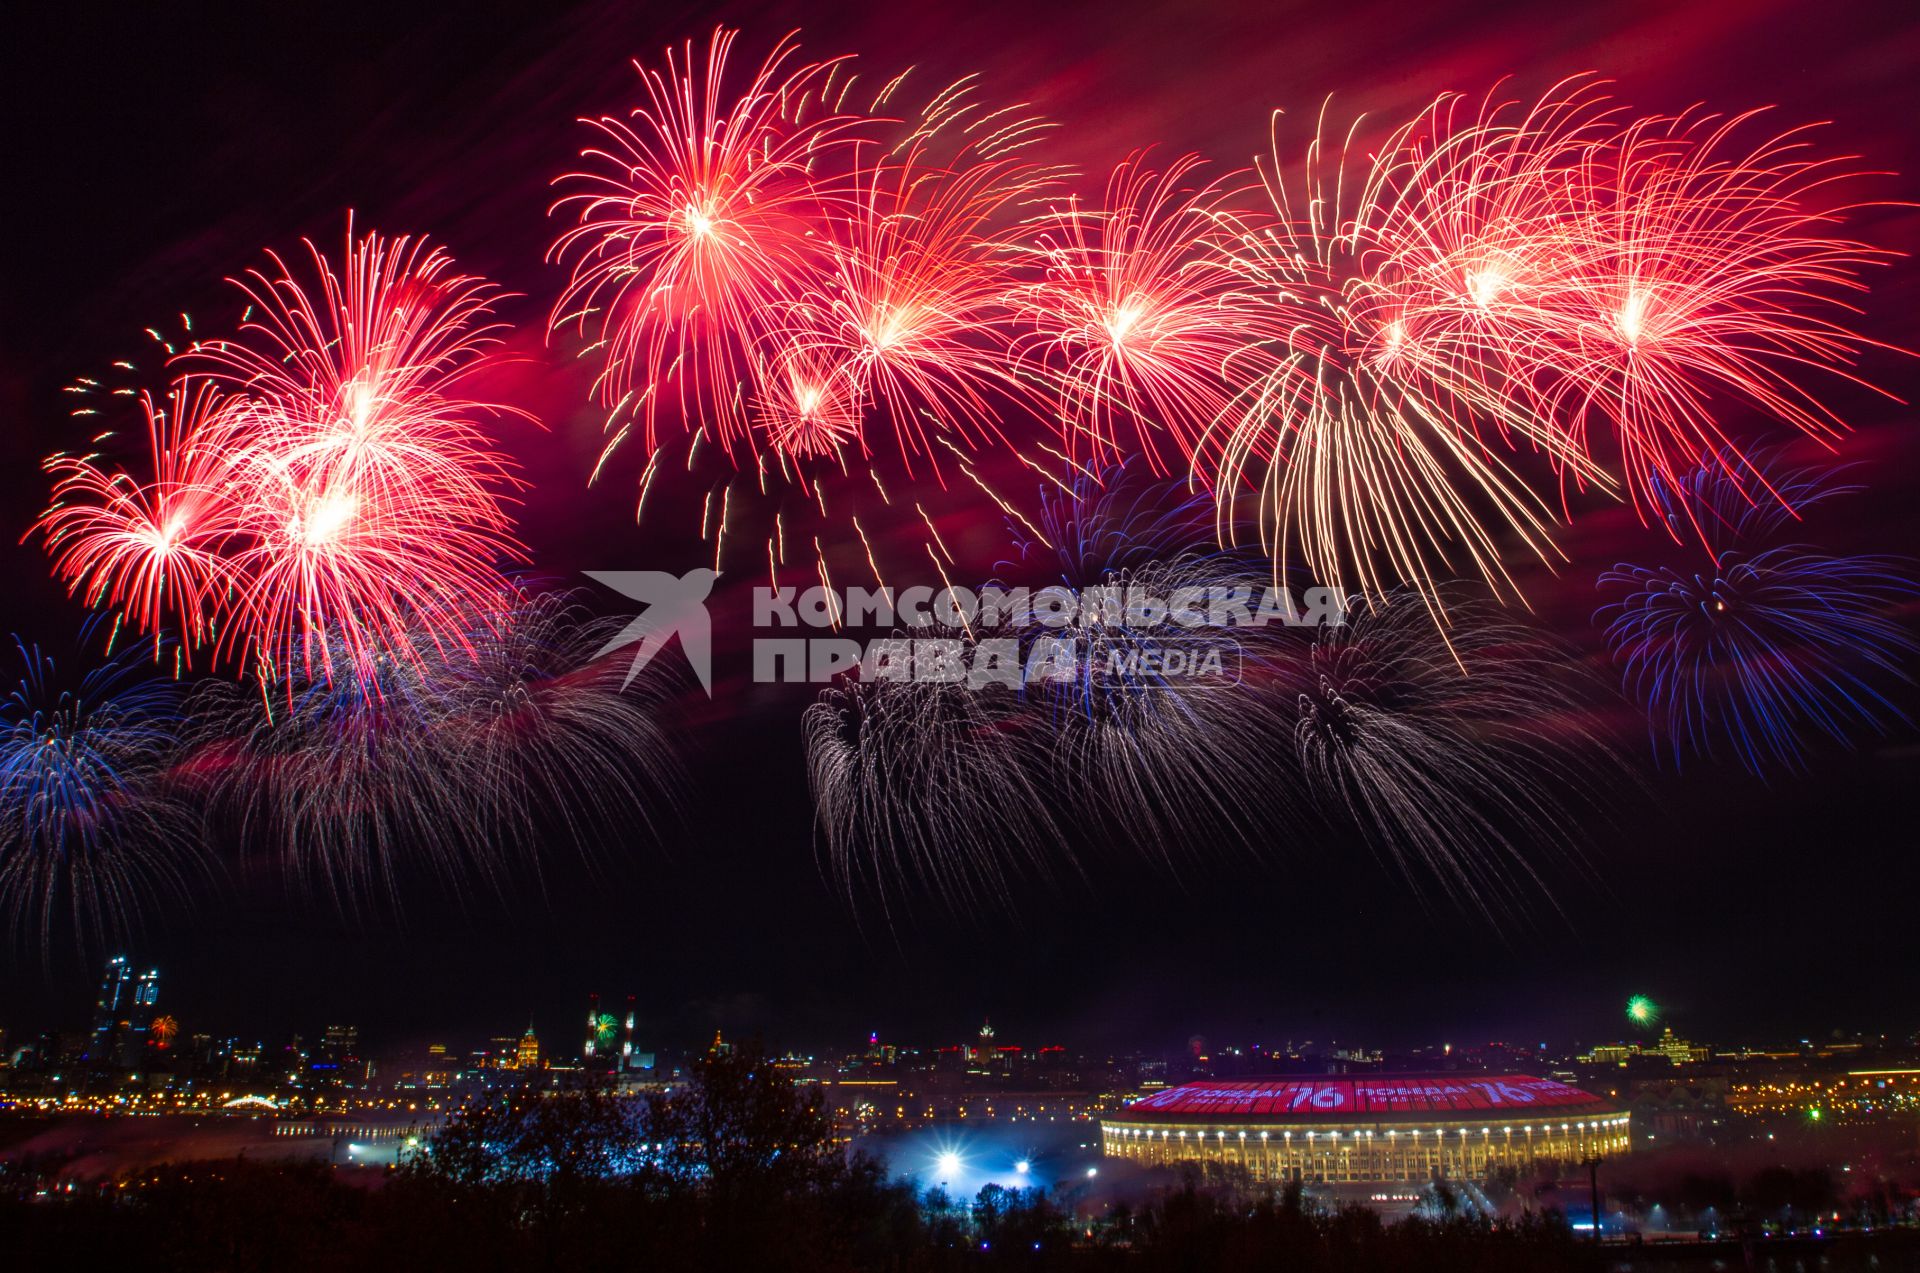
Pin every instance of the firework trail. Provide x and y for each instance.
(966, 789)
(558, 735)
(1115, 536)
(340, 780)
(320, 487)
(1767, 643)
(461, 765)
(1112, 520)
(88, 822)
(1124, 733)
(1461, 780)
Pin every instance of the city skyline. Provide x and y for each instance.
(117, 1035)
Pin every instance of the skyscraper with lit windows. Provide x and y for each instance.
(123, 1013)
(116, 993)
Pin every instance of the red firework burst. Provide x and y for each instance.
(916, 280)
(150, 550)
(806, 405)
(321, 482)
(1139, 312)
(1700, 268)
(692, 226)
(1466, 233)
(367, 490)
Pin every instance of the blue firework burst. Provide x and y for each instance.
(88, 819)
(1766, 645)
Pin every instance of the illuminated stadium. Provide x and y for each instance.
(1400, 1127)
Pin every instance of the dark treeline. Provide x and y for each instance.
(738, 1171)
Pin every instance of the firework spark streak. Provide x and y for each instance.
(1368, 464)
(929, 784)
(85, 812)
(1764, 642)
(460, 764)
(1123, 742)
(1457, 778)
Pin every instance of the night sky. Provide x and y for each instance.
(153, 151)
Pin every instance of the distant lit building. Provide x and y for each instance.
(1612, 1054)
(1680, 1051)
(135, 1029)
(630, 1053)
(982, 1051)
(1384, 1129)
(526, 1053)
(337, 1059)
(600, 1032)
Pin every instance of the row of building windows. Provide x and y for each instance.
(1367, 1154)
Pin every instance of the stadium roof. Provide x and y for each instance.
(1348, 1099)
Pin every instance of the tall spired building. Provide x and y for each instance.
(606, 1046)
(599, 1031)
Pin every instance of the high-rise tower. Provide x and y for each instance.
(140, 1015)
(115, 992)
